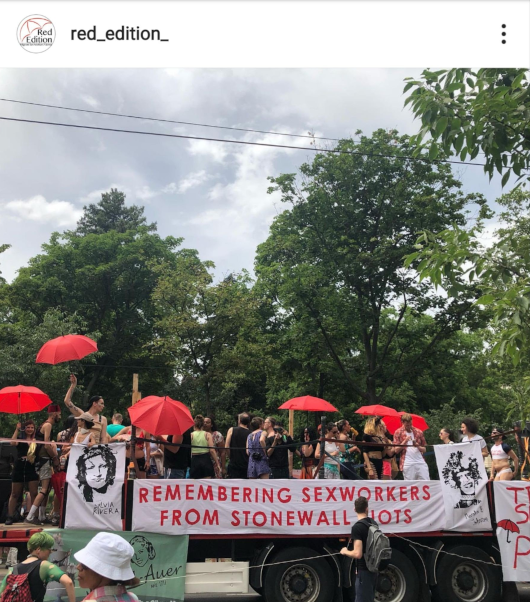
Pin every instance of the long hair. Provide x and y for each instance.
(312, 434)
(199, 422)
(372, 426)
(99, 451)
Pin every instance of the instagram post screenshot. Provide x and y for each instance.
(246, 247)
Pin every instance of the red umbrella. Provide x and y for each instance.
(377, 410)
(66, 348)
(509, 526)
(309, 404)
(22, 400)
(161, 416)
(394, 422)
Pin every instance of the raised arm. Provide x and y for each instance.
(15, 434)
(68, 397)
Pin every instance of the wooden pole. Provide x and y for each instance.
(291, 427)
(136, 396)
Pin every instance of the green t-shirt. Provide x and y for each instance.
(47, 572)
(114, 429)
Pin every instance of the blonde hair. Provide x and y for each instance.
(370, 427)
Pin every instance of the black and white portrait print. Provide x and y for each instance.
(463, 479)
(464, 476)
(95, 481)
(96, 471)
(143, 550)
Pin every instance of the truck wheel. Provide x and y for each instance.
(397, 583)
(467, 579)
(299, 580)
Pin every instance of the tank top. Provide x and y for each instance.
(199, 443)
(39, 436)
(238, 457)
(180, 459)
(36, 584)
(500, 452)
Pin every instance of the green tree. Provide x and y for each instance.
(335, 258)
(112, 214)
(107, 278)
(208, 329)
(501, 270)
(468, 112)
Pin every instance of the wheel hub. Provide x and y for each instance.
(300, 583)
(391, 585)
(465, 581)
(468, 582)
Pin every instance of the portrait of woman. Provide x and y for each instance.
(463, 478)
(143, 550)
(96, 471)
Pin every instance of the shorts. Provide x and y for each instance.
(153, 470)
(45, 470)
(387, 468)
(417, 471)
(141, 464)
(24, 472)
(201, 467)
(236, 472)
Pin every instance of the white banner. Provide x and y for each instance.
(463, 480)
(512, 514)
(276, 506)
(95, 481)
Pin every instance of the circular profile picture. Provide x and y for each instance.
(36, 33)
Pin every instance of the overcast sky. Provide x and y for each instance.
(212, 194)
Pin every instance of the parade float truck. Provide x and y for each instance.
(281, 538)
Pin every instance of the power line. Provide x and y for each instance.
(243, 142)
(205, 125)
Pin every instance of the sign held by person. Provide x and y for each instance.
(463, 480)
(95, 481)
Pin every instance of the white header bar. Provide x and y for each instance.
(278, 33)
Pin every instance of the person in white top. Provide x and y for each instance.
(501, 453)
(412, 462)
(469, 430)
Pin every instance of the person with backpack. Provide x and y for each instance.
(371, 549)
(27, 581)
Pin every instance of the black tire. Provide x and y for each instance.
(299, 580)
(397, 583)
(467, 579)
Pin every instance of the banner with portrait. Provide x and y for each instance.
(463, 479)
(95, 479)
(159, 562)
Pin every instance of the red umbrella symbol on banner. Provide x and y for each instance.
(509, 526)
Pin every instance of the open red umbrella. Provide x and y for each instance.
(66, 348)
(377, 410)
(394, 422)
(22, 400)
(308, 404)
(509, 526)
(161, 416)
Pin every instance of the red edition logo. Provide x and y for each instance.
(36, 33)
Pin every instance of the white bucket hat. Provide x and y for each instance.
(108, 555)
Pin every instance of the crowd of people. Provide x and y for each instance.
(257, 448)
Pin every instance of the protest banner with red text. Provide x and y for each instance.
(272, 507)
(512, 513)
